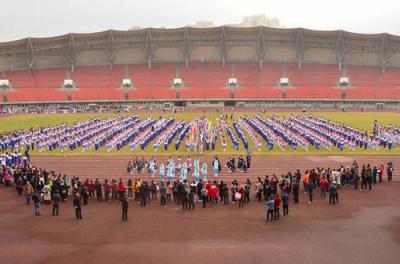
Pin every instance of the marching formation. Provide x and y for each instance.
(198, 135)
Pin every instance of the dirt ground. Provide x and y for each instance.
(363, 228)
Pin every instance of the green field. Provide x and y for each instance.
(359, 120)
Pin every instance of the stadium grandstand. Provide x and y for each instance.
(205, 66)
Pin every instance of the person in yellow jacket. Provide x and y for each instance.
(28, 191)
(136, 188)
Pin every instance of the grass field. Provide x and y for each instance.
(362, 121)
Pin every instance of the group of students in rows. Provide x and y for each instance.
(184, 168)
(39, 186)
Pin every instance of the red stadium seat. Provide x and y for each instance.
(247, 93)
(299, 93)
(23, 87)
(193, 93)
(204, 80)
(247, 74)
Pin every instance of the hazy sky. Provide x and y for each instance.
(40, 18)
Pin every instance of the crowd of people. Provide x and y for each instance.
(47, 187)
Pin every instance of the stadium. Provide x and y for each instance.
(203, 133)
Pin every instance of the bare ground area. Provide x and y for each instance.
(363, 228)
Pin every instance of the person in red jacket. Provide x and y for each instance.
(107, 190)
(91, 188)
(214, 193)
(121, 189)
(208, 188)
(381, 172)
(277, 206)
(323, 186)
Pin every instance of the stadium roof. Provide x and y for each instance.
(228, 29)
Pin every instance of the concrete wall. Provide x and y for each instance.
(316, 55)
(362, 58)
(395, 60)
(168, 55)
(129, 56)
(12, 63)
(281, 54)
(205, 53)
(49, 61)
(92, 57)
(200, 53)
(242, 54)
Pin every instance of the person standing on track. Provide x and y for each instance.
(310, 193)
(125, 206)
(216, 167)
(247, 187)
(28, 190)
(56, 203)
(389, 170)
(191, 200)
(277, 206)
(143, 194)
(296, 188)
(369, 177)
(333, 194)
(163, 195)
(107, 190)
(36, 202)
(77, 206)
(99, 190)
(363, 178)
(121, 189)
(356, 177)
(285, 203)
(204, 172)
(270, 209)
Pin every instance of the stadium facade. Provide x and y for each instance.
(223, 45)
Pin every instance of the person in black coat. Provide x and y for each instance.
(248, 161)
(364, 180)
(56, 202)
(143, 194)
(199, 188)
(333, 192)
(185, 200)
(296, 187)
(78, 208)
(85, 194)
(191, 200)
(125, 205)
(99, 190)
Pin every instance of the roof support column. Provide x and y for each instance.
(386, 53)
(149, 49)
(29, 55)
(222, 47)
(71, 52)
(340, 50)
(110, 48)
(261, 53)
(187, 49)
(300, 48)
